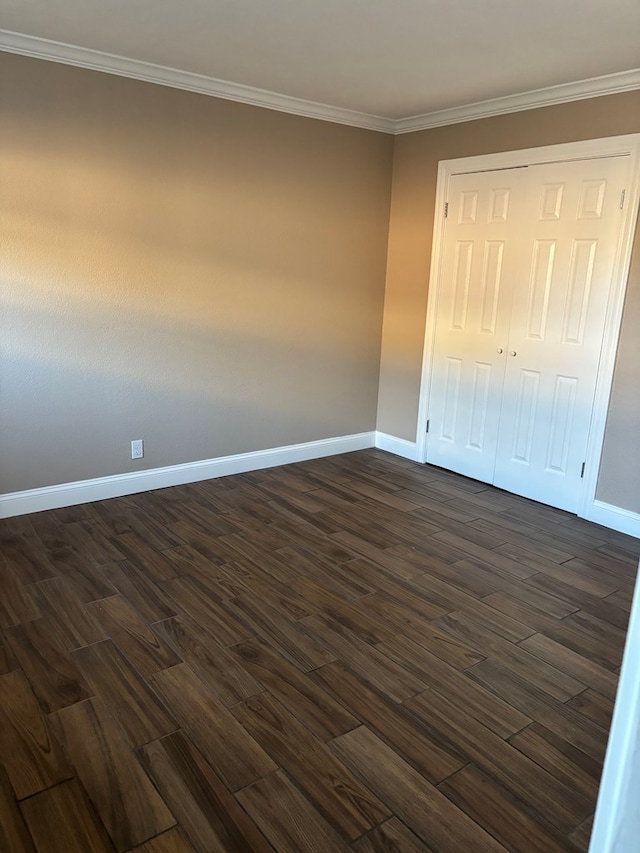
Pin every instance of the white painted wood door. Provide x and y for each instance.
(478, 269)
(557, 323)
(527, 263)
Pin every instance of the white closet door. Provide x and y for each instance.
(478, 270)
(557, 324)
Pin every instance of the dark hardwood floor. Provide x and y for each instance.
(356, 653)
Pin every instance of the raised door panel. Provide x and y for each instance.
(479, 264)
(558, 315)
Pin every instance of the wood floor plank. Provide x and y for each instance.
(288, 498)
(128, 804)
(392, 836)
(440, 643)
(433, 756)
(441, 513)
(600, 650)
(227, 679)
(89, 582)
(561, 759)
(75, 627)
(398, 528)
(604, 569)
(146, 597)
(41, 651)
(332, 576)
(500, 813)
(230, 750)
(595, 606)
(453, 634)
(499, 623)
(556, 716)
(135, 549)
(464, 573)
(594, 706)
(332, 788)
(172, 841)
(62, 818)
(408, 593)
(133, 706)
(210, 816)
(8, 661)
(385, 558)
(442, 594)
(601, 630)
(25, 557)
(343, 612)
(538, 672)
(192, 563)
(589, 583)
(30, 755)
(213, 549)
(288, 819)
(289, 639)
(382, 672)
(314, 541)
(130, 632)
(500, 717)
(542, 547)
(434, 818)
(87, 539)
(394, 616)
(582, 835)
(14, 835)
(580, 668)
(622, 598)
(487, 574)
(555, 801)
(149, 525)
(261, 553)
(192, 598)
(224, 583)
(16, 605)
(314, 707)
(385, 497)
(285, 598)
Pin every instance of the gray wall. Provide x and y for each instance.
(205, 275)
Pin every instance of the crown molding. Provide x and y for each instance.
(109, 63)
(609, 84)
(122, 66)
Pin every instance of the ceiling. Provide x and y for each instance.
(387, 58)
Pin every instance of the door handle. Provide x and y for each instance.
(512, 352)
(499, 350)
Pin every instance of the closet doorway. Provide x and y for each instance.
(528, 274)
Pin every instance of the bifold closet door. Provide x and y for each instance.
(557, 324)
(526, 268)
(479, 267)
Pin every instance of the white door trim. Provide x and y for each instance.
(608, 147)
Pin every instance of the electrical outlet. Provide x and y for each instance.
(137, 449)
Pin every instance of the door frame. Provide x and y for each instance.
(628, 144)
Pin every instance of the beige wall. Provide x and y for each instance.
(409, 255)
(619, 482)
(209, 276)
(202, 274)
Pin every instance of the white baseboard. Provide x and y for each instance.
(399, 446)
(101, 488)
(615, 518)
